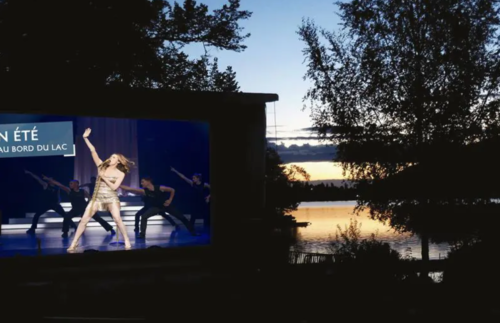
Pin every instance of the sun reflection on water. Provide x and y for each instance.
(326, 216)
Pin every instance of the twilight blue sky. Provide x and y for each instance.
(274, 63)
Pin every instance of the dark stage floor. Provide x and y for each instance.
(17, 242)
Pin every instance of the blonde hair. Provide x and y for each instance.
(124, 164)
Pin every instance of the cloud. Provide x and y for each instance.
(295, 134)
(331, 129)
(305, 153)
(273, 131)
(293, 138)
(310, 129)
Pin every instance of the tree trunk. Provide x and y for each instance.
(420, 112)
(425, 255)
(424, 240)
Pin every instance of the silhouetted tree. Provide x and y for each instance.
(349, 246)
(133, 43)
(281, 195)
(222, 81)
(405, 77)
(404, 84)
(367, 259)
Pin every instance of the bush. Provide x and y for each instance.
(366, 259)
(349, 247)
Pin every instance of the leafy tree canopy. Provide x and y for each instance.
(402, 77)
(133, 43)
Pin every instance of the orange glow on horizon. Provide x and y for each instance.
(322, 170)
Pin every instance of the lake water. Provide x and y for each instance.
(325, 216)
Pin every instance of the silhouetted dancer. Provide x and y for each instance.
(201, 198)
(147, 205)
(156, 195)
(78, 198)
(146, 198)
(50, 201)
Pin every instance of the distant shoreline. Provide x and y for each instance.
(319, 204)
(335, 182)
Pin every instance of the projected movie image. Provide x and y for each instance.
(76, 184)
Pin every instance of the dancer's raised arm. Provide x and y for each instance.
(190, 182)
(36, 178)
(56, 183)
(95, 156)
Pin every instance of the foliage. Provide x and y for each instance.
(296, 173)
(368, 260)
(325, 192)
(281, 193)
(136, 43)
(473, 263)
(403, 77)
(348, 246)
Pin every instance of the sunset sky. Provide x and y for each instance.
(322, 170)
(273, 63)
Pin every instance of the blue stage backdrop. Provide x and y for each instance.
(182, 145)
